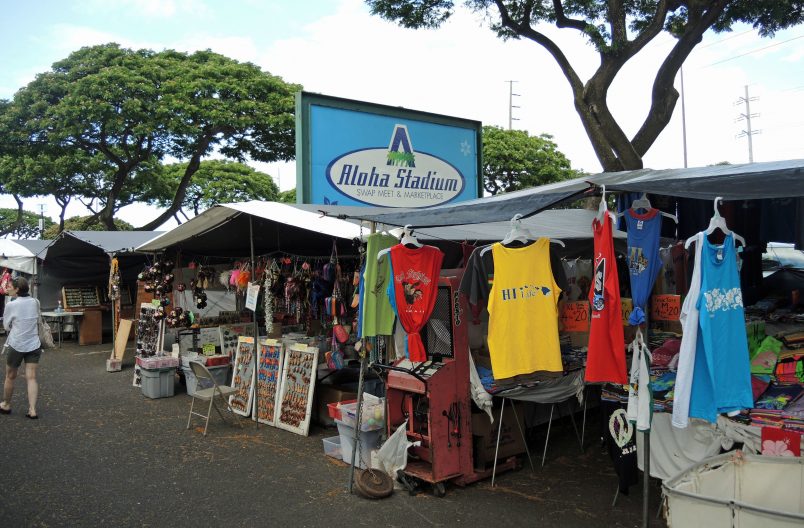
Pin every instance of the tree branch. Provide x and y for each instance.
(664, 95)
(619, 35)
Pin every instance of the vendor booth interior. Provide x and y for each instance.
(655, 305)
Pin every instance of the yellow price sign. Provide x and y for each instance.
(626, 307)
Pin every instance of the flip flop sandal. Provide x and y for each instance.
(5, 411)
(32, 417)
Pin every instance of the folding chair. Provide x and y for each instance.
(209, 394)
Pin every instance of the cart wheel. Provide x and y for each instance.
(439, 490)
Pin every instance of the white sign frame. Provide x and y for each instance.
(243, 377)
(276, 368)
(293, 388)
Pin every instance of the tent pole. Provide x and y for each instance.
(114, 305)
(646, 442)
(256, 329)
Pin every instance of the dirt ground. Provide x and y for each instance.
(103, 454)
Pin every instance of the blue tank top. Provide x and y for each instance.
(644, 262)
(722, 379)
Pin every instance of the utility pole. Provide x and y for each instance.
(511, 105)
(42, 220)
(683, 118)
(747, 131)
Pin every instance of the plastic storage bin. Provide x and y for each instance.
(221, 375)
(373, 416)
(158, 383)
(368, 441)
(332, 447)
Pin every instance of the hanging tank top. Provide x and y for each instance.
(605, 360)
(644, 263)
(523, 311)
(722, 375)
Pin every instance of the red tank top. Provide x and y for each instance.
(605, 360)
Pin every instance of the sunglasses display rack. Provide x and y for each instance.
(229, 335)
(296, 389)
(242, 378)
(269, 371)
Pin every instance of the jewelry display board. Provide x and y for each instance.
(80, 296)
(149, 336)
(296, 392)
(229, 335)
(243, 377)
(269, 371)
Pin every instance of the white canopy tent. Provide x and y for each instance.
(22, 255)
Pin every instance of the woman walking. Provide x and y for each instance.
(20, 318)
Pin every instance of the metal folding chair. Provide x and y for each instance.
(224, 391)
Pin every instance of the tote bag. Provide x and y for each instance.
(45, 334)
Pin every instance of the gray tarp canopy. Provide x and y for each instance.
(776, 179)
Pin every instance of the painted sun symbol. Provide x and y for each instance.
(466, 148)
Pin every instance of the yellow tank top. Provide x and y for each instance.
(523, 311)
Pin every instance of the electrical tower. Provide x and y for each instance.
(511, 105)
(746, 116)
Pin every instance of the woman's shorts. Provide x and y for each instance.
(15, 358)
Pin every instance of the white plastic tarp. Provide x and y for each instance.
(275, 212)
(17, 257)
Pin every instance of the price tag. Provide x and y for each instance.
(626, 307)
(208, 349)
(252, 293)
(665, 307)
(575, 316)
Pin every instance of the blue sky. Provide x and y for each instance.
(335, 47)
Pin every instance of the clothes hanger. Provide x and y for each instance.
(407, 240)
(643, 203)
(603, 207)
(518, 233)
(718, 222)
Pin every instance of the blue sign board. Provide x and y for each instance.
(355, 153)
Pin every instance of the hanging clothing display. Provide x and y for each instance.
(644, 262)
(640, 395)
(412, 291)
(376, 314)
(606, 354)
(689, 341)
(523, 311)
(722, 380)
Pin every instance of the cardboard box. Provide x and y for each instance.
(484, 435)
(326, 394)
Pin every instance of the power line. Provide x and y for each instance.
(755, 51)
(725, 39)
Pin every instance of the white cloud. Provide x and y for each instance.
(147, 8)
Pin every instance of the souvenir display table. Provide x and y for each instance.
(59, 319)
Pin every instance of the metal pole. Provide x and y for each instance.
(256, 330)
(748, 125)
(683, 118)
(646, 446)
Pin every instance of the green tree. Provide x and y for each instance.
(215, 181)
(288, 196)
(513, 160)
(84, 223)
(27, 228)
(124, 111)
(618, 29)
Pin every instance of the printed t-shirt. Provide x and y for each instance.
(644, 262)
(606, 353)
(413, 291)
(376, 314)
(722, 378)
(523, 311)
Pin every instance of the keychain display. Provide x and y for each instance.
(296, 392)
(269, 371)
(243, 377)
(230, 334)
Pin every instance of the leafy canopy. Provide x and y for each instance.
(513, 160)
(28, 228)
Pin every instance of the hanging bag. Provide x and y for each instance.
(45, 333)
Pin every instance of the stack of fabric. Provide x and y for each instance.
(612, 392)
(769, 408)
(793, 415)
(662, 383)
(790, 367)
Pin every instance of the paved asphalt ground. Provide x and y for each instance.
(104, 455)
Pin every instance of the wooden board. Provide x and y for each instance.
(121, 339)
(243, 377)
(296, 392)
(269, 372)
